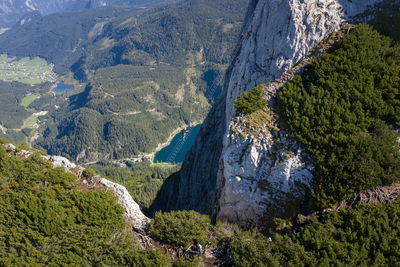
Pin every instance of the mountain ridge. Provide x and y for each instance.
(12, 11)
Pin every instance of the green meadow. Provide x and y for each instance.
(27, 100)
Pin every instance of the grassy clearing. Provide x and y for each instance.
(163, 165)
(30, 122)
(27, 100)
(262, 118)
(259, 122)
(26, 70)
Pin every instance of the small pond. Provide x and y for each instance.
(61, 87)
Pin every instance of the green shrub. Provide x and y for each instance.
(343, 110)
(190, 262)
(89, 173)
(367, 235)
(45, 220)
(180, 228)
(250, 249)
(150, 257)
(250, 101)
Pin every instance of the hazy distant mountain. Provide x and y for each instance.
(12, 11)
(59, 38)
(78, 5)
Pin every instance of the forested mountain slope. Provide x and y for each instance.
(148, 73)
(139, 73)
(185, 33)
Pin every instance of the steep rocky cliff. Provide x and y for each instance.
(244, 171)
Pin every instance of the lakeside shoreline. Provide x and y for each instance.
(150, 156)
(166, 143)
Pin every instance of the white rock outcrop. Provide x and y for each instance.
(58, 161)
(132, 210)
(262, 175)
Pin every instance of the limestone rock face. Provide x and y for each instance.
(243, 178)
(280, 34)
(132, 210)
(266, 180)
(264, 169)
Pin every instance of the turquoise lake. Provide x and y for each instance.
(175, 152)
(61, 87)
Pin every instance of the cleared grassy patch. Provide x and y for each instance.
(259, 122)
(27, 100)
(30, 121)
(163, 165)
(262, 118)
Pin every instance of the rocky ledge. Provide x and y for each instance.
(263, 168)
